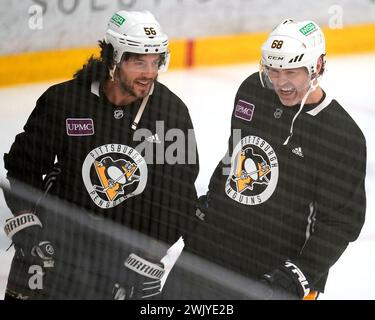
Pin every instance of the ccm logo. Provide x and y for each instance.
(79, 127)
(277, 58)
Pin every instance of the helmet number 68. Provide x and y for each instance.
(150, 31)
(277, 44)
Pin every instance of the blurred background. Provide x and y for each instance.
(215, 45)
(43, 40)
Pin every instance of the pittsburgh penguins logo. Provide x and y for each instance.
(114, 176)
(250, 169)
(254, 172)
(113, 173)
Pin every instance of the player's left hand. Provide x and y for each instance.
(142, 279)
(202, 205)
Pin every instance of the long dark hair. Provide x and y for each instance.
(96, 69)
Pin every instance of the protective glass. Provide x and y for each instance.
(276, 79)
(147, 63)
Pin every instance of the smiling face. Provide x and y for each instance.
(289, 84)
(136, 75)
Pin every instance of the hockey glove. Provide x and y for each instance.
(202, 206)
(25, 230)
(142, 279)
(290, 279)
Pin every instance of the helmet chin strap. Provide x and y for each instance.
(312, 88)
(112, 72)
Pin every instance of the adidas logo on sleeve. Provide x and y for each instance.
(298, 151)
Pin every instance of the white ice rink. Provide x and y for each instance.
(209, 95)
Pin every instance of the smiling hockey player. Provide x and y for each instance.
(98, 143)
(292, 197)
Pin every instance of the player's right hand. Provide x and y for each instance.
(25, 230)
(290, 279)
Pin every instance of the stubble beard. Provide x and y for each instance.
(127, 88)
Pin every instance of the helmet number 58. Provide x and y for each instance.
(150, 31)
(277, 44)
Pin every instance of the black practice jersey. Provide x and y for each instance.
(141, 178)
(270, 201)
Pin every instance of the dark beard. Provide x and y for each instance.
(126, 89)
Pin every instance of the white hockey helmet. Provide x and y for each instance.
(293, 45)
(136, 32)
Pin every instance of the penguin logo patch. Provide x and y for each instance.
(254, 172)
(250, 169)
(113, 173)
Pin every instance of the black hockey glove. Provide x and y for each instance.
(142, 279)
(202, 206)
(289, 279)
(25, 230)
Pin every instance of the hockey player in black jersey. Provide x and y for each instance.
(107, 142)
(289, 196)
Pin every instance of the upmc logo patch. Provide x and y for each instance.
(244, 110)
(79, 127)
